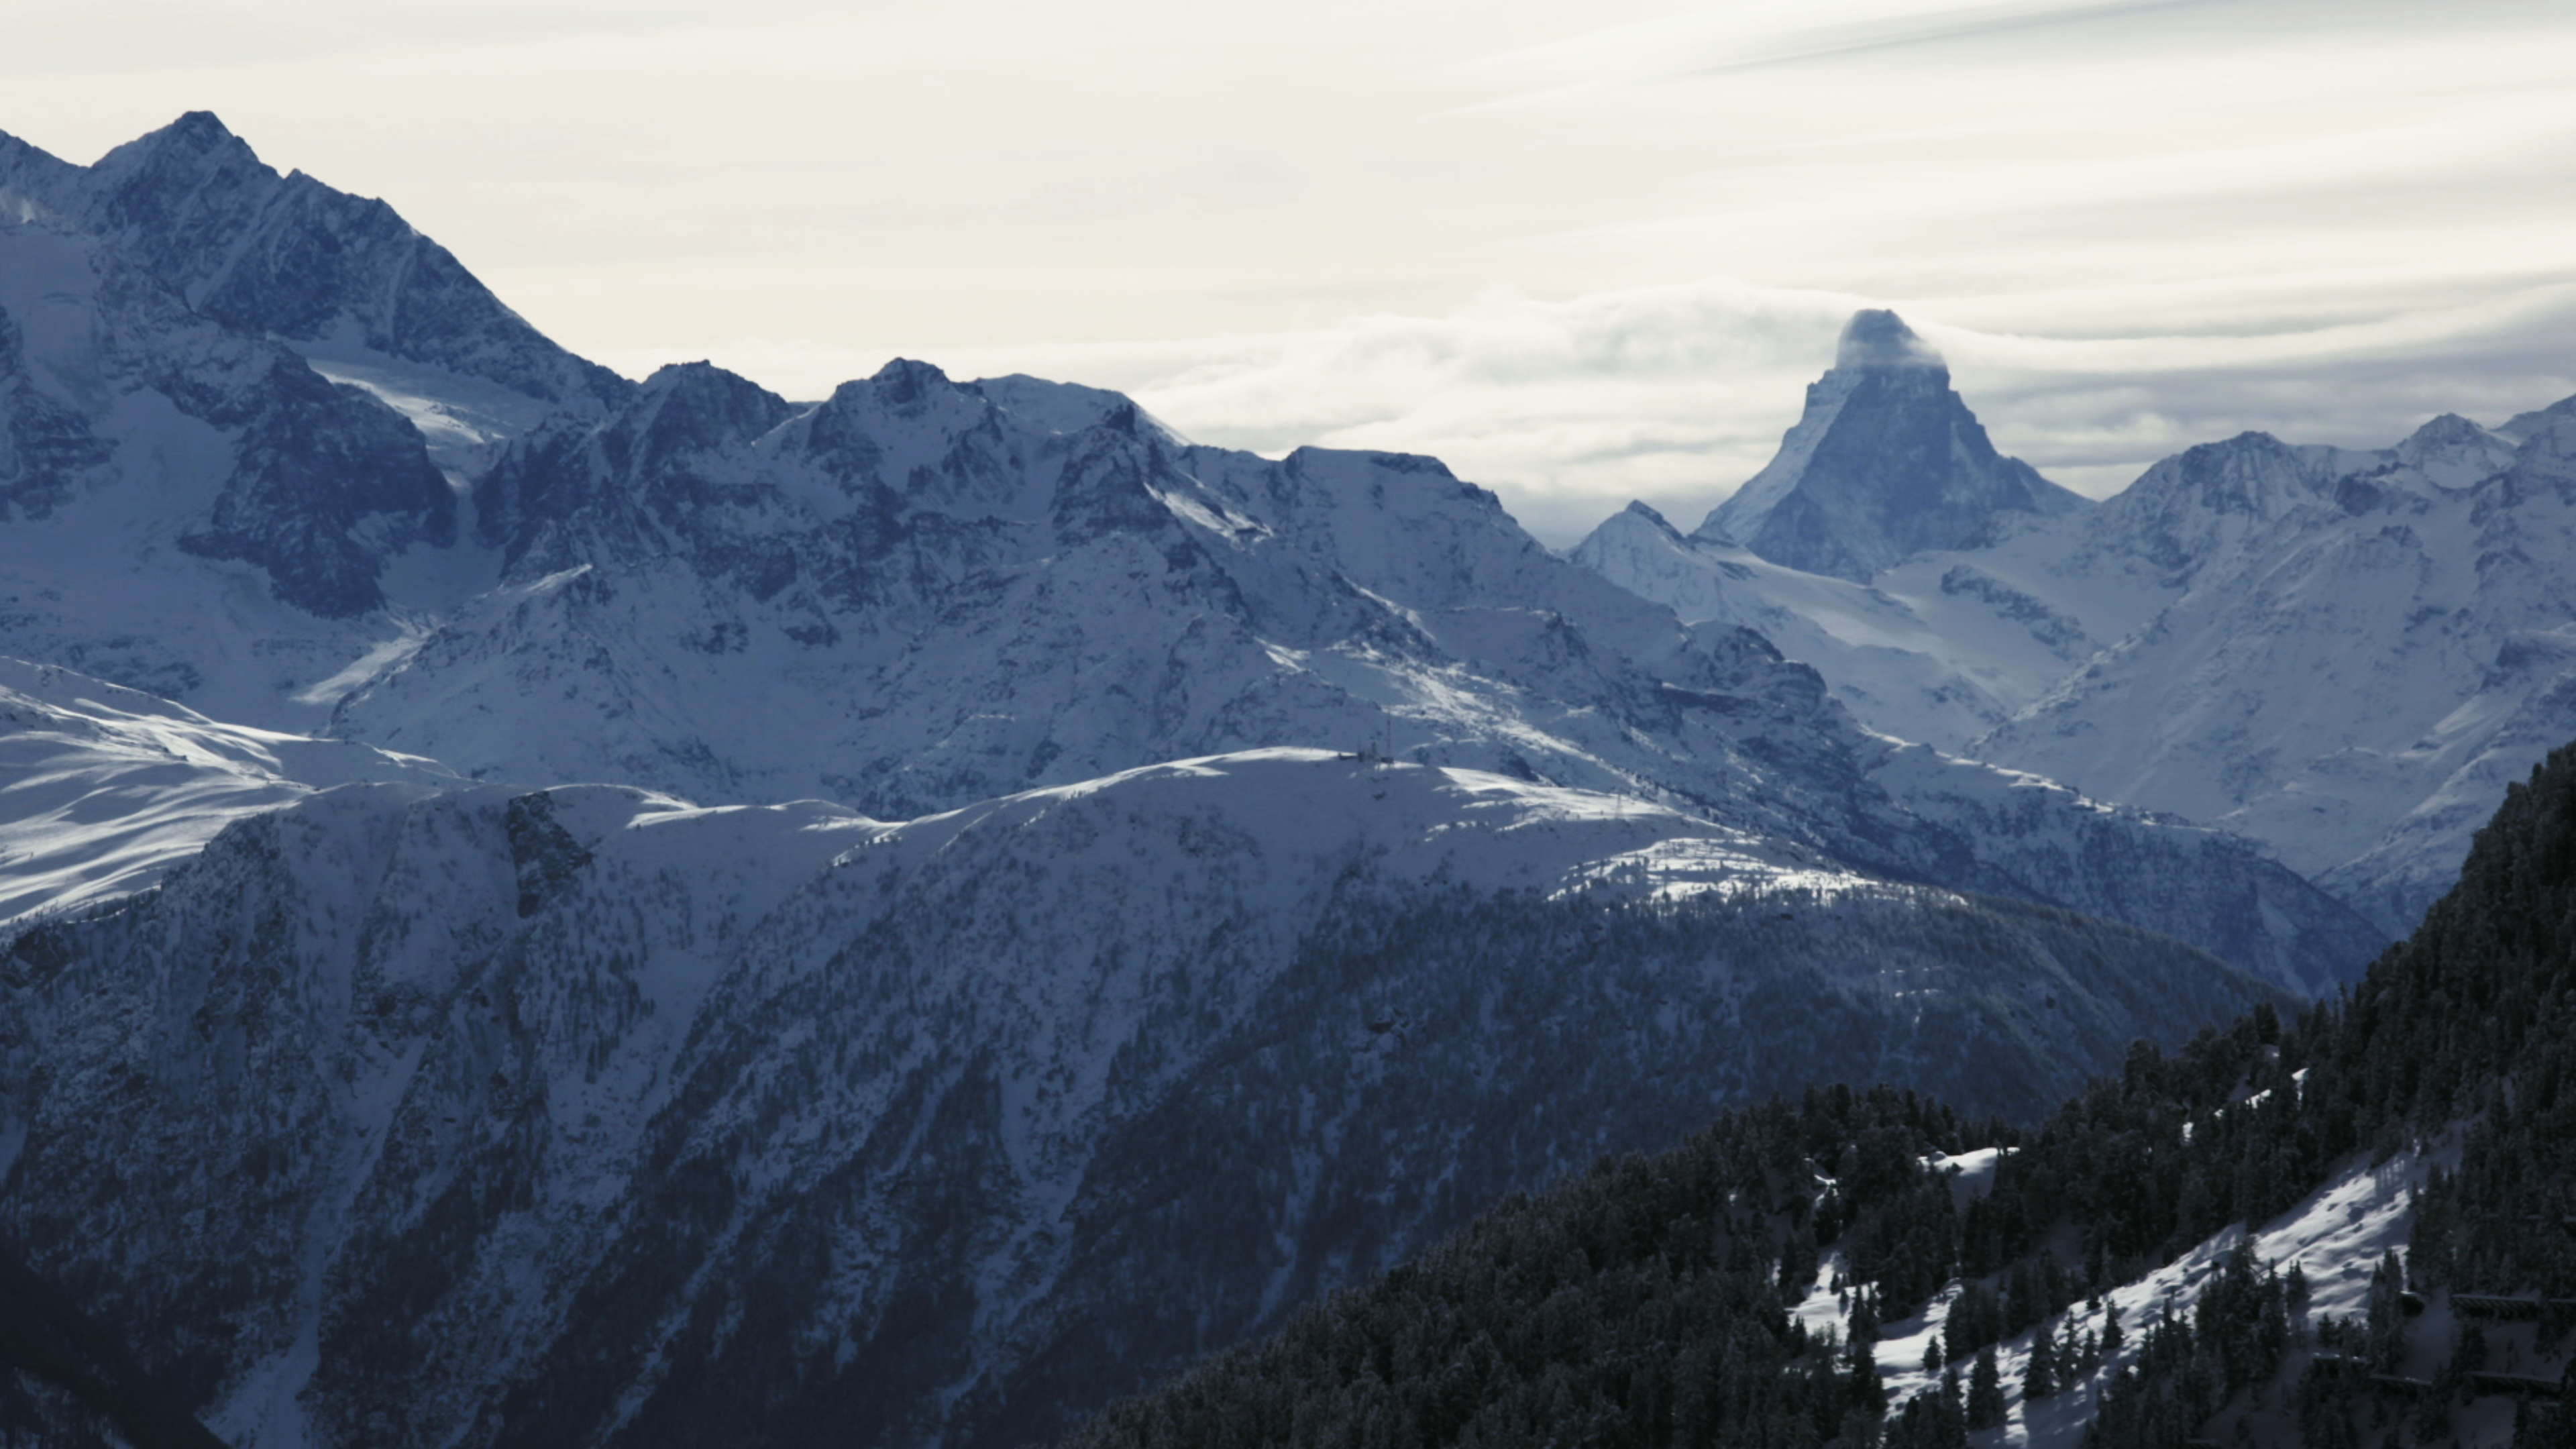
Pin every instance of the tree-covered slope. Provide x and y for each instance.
(2116, 1274)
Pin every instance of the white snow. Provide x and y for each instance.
(103, 789)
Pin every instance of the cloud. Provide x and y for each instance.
(1677, 394)
(1583, 255)
(1569, 408)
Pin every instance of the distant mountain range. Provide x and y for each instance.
(2342, 654)
(915, 595)
(545, 909)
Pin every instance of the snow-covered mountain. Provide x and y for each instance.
(916, 594)
(588, 1116)
(1220, 872)
(104, 789)
(2361, 654)
(926, 596)
(1939, 656)
(2342, 654)
(188, 509)
(1885, 463)
(2350, 1228)
(341, 279)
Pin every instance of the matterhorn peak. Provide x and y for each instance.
(1885, 463)
(1876, 339)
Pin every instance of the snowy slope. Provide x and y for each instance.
(2337, 1235)
(103, 789)
(2361, 657)
(2342, 654)
(186, 509)
(1939, 656)
(591, 1116)
(923, 597)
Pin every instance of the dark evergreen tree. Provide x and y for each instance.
(2039, 1371)
(1985, 1391)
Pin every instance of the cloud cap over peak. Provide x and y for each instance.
(1876, 339)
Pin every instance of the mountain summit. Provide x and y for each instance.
(1887, 462)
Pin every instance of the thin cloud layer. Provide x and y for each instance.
(1584, 255)
(1675, 395)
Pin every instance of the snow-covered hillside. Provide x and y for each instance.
(515, 1119)
(2342, 654)
(189, 510)
(2362, 653)
(1938, 659)
(104, 789)
(924, 597)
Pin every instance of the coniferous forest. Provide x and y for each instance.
(1650, 1301)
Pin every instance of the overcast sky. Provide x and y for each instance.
(1585, 253)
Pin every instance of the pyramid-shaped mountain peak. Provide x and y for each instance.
(1886, 462)
(193, 143)
(197, 128)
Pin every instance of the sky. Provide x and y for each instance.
(1584, 253)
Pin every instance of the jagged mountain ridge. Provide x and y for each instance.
(929, 597)
(493, 1108)
(188, 510)
(2357, 677)
(2344, 654)
(342, 279)
(930, 593)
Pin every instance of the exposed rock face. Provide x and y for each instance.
(290, 258)
(1887, 462)
(122, 406)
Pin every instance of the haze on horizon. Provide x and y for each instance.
(1581, 258)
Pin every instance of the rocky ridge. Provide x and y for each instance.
(2341, 654)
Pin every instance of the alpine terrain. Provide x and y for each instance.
(925, 592)
(542, 909)
(2343, 655)
(2347, 1229)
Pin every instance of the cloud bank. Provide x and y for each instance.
(1677, 394)
(1584, 254)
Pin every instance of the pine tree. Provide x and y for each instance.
(1864, 1322)
(1932, 1355)
(1985, 1391)
(2387, 1326)
(2039, 1379)
(1954, 1411)
(2111, 1335)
